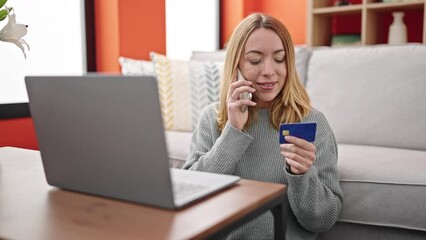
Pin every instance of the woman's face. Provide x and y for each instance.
(263, 63)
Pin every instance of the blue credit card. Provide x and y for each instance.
(301, 130)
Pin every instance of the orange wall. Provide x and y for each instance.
(107, 35)
(142, 27)
(231, 12)
(18, 132)
(130, 28)
(291, 13)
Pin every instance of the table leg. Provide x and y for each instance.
(279, 221)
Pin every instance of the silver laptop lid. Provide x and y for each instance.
(89, 126)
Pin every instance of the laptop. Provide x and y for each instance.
(104, 135)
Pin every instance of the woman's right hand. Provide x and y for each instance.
(236, 117)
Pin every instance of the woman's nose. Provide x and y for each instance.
(268, 67)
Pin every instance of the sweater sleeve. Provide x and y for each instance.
(215, 151)
(316, 197)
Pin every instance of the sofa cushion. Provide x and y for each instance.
(178, 147)
(383, 186)
(355, 231)
(372, 95)
(185, 88)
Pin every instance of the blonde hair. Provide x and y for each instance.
(292, 103)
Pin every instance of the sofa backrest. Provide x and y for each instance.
(374, 95)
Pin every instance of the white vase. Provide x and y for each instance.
(397, 30)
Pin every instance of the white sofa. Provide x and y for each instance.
(375, 100)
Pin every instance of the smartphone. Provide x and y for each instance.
(305, 131)
(245, 95)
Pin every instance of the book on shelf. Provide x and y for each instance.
(345, 40)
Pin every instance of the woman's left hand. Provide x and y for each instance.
(299, 154)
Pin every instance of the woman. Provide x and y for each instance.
(229, 140)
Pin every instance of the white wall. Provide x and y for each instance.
(191, 25)
(55, 35)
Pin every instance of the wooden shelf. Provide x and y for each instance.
(397, 5)
(321, 13)
(357, 8)
(380, 6)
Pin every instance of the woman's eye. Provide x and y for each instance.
(255, 61)
(279, 60)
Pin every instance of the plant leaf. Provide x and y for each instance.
(3, 14)
(2, 3)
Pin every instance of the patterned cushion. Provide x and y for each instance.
(131, 66)
(185, 88)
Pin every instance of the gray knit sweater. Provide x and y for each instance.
(315, 198)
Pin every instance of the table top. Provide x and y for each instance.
(31, 209)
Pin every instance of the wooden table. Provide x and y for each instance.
(31, 209)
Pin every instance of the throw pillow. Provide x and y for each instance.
(185, 88)
(302, 57)
(131, 66)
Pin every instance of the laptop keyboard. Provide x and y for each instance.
(183, 190)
